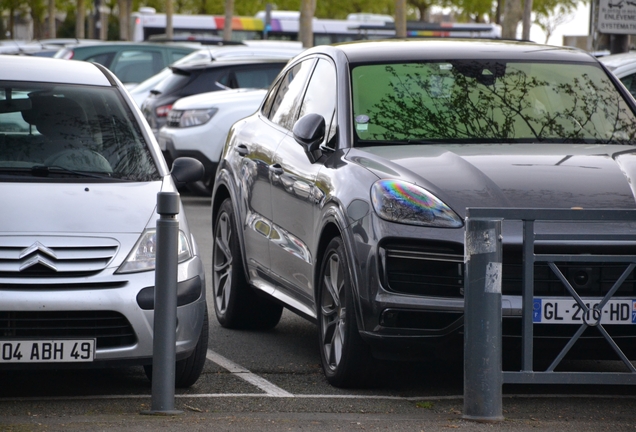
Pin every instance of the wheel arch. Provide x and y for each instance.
(223, 189)
(334, 225)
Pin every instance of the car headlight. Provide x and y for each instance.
(190, 118)
(143, 255)
(402, 202)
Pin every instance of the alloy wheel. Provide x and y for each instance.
(222, 262)
(333, 312)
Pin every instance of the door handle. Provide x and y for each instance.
(241, 149)
(276, 169)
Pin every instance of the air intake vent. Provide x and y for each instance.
(111, 329)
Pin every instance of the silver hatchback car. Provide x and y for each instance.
(79, 175)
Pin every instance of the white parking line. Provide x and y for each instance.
(269, 388)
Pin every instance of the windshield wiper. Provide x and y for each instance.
(45, 170)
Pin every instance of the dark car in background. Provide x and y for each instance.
(207, 76)
(132, 63)
(343, 197)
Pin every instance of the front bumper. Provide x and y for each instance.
(412, 295)
(114, 309)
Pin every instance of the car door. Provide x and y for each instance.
(295, 194)
(257, 149)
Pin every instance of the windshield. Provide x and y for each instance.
(65, 131)
(488, 101)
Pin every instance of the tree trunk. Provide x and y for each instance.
(104, 12)
(124, 20)
(169, 26)
(11, 22)
(527, 19)
(513, 13)
(80, 20)
(227, 25)
(400, 18)
(52, 29)
(37, 26)
(306, 30)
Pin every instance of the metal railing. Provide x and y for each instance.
(483, 374)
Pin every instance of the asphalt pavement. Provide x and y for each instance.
(277, 385)
(521, 413)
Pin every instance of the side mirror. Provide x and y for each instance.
(186, 170)
(309, 131)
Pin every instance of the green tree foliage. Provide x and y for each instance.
(13, 7)
(38, 11)
(339, 10)
(547, 7)
(474, 10)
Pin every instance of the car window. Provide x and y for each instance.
(630, 82)
(176, 80)
(320, 97)
(176, 55)
(134, 66)
(489, 101)
(104, 59)
(257, 77)
(206, 81)
(288, 97)
(270, 97)
(52, 131)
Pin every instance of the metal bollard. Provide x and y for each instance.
(483, 376)
(165, 317)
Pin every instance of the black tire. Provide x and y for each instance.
(236, 304)
(346, 359)
(188, 370)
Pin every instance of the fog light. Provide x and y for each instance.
(389, 318)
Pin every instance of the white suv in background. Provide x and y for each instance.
(198, 126)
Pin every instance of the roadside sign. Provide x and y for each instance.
(617, 16)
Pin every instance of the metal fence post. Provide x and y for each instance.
(165, 317)
(483, 377)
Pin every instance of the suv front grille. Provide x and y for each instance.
(438, 271)
(593, 280)
(110, 329)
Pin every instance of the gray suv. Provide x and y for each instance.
(79, 177)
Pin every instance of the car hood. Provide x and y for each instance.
(516, 175)
(216, 98)
(78, 208)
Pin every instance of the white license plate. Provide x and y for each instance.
(568, 311)
(47, 351)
